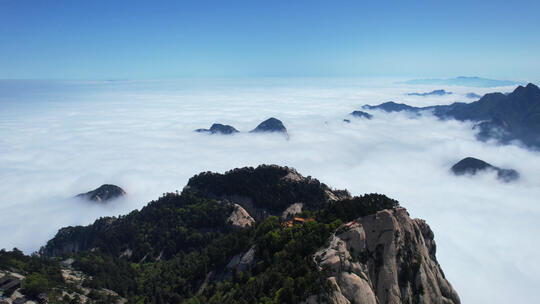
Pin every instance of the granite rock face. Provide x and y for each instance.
(103, 193)
(240, 217)
(385, 258)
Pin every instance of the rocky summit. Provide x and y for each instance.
(270, 125)
(219, 129)
(103, 193)
(266, 234)
(471, 165)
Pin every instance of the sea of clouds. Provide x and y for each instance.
(58, 139)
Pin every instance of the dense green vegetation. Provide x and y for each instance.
(162, 228)
(283, 270)
(170, 249)
(41, 275)
(264, 185)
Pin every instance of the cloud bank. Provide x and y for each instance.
(61, 139)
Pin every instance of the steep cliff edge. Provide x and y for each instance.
(386, 257)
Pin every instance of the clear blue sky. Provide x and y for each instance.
(169, 39)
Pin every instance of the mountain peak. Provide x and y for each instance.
(527, 92)
(103, 193)
(271, 125)
(532, 86)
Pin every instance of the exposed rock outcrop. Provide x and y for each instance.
(471, 165)
(242, 261)
(240, 217)
(385, 258)
(292, 210)
(103, 193)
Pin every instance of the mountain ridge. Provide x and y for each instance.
(186, 247)
(505, 118)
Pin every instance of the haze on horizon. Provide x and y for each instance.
(172, 39)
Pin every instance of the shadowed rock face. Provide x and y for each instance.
(103, 193)
(361, 114)
(471, 165)
(219, 129)
(385, 258)
(270, 125)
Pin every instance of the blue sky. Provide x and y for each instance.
(171, 39)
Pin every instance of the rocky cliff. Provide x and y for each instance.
(384, 258)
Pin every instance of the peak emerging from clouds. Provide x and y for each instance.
(515, 116)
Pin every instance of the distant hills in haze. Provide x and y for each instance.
(464, 81)
(432, 93)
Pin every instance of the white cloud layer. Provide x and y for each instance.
(61, 139)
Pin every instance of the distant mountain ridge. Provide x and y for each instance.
(463, 81)
(515, 116)
(432, 93)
